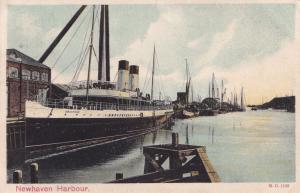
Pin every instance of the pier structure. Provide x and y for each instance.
(187, 163)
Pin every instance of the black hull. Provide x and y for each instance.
(54, 131)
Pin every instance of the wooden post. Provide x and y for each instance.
(17, 177)
(119, 176)
(148, 167)
(175, 139)
(34, 169)
(175, 162)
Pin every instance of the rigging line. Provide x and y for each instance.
(115, 76)
(79, 65)
(145, 81)
(158, 80)
(161, 86)
(82, 60)
(65, 68)
(77, 29)
(82, 52)
(159, 77)
(95, 54)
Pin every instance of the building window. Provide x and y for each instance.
(13, 72)
(25, 74)
(44, 77)
(35, 75)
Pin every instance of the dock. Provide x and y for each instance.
(15, 140)
(187, 163)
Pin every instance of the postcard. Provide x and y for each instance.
(150, 96)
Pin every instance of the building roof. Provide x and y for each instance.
(13, 55)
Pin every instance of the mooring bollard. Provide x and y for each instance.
(175, 139)
(119, 176)
(17, 177)
(34, 169)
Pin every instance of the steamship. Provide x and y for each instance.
(94, 109)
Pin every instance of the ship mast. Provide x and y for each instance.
(153, 68)
(209, 89)
(242, 99)
(213, 86)
(222, 93)
(188, 81)
(90, 57)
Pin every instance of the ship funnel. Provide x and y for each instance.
(123, 75)
(133, 77)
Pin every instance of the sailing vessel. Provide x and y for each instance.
(188, 111)
(94, 109)
(242, 107)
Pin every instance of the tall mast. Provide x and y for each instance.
(213, 86)
(192, 93)
(209, 89)
(153, 68)
(222, 93)
(242, 98)
(90, 56)
(188, 80)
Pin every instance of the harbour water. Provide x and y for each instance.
(251, 146)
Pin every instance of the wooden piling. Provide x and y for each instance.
(34, 169)
(119, 176)
(188, 163)
(175, 139)
(17, 177)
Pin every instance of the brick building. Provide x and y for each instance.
(34, 75)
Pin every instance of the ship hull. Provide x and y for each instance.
(44, 131)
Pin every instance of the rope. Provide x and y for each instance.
(82, 53)
(95, 54)
(145, 86)
(81, 65)
(73, 35)
(83, 58)
(65, 68)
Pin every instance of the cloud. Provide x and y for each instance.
(26, 25)
(219, 41)
(167, 33)
(195, 43)
(181, 33)
(272, 75)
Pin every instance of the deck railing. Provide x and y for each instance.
(77, 105)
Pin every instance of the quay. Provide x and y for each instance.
(187, 163)
(15, 140)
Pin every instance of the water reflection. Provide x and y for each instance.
(187, 134)
(243, 147)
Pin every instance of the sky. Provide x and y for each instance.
(251, 46)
